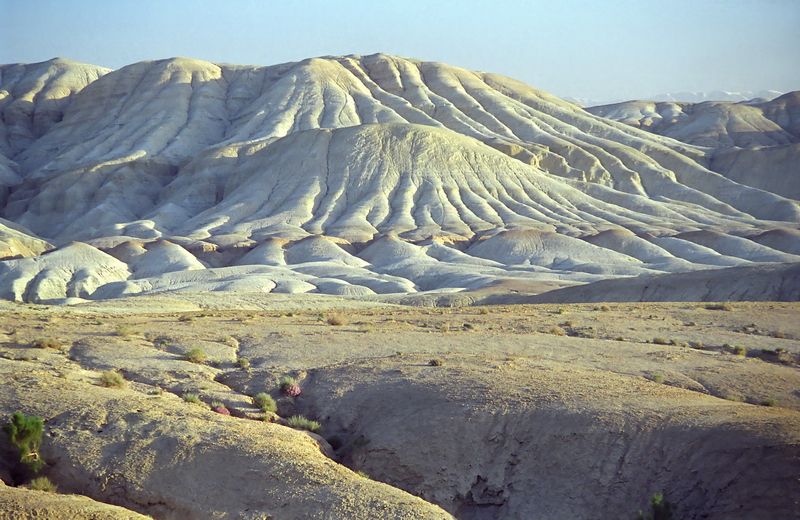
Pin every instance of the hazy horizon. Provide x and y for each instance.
(621, 49)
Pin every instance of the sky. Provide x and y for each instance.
(601, 50)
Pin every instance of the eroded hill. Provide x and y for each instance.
(350, 175)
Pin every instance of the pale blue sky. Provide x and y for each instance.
(601, 49)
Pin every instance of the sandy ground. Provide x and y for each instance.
(625, 399)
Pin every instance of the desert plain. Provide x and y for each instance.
(488, 411)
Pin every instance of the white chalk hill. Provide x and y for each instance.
(352, 176)
(756, 143)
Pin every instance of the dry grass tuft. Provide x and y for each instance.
(47, 343)
(124, 331)
(556, 331)
(336, 319)
(112, 379)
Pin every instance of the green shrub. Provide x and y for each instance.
(298, 422)
(192, 398)
(25, 433)
(290, 386)
(769, 402)
(196, 355)
(243, 362)
(660, 509)
(286, 382)
(265, 402)
(112, 379)
(739, 350)
(42, 484)
(658, 378)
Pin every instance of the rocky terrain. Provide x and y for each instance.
(365, 175)
(542, 411)
(346, 287)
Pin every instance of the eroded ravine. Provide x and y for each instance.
(511, 440)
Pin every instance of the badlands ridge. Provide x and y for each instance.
(359, 176)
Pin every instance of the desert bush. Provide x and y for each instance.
(192, 398)
(661, 341)
(337, 318)
(42, 484)
(436, 362)
(112, 379)
(723, 306)
(658, 378)
(362, 474)
(557, 331)
(739, 350)
(769, 402)
(124, 331)
(25, 433)
(185, 318)
(660, 509)
(46, 343)
(196, 355)
(298, 422)
(265, 402)
(243, 362)
(289, 386)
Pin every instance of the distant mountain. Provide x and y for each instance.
(687, 97)
(347, 175)
(754, 142)
(716, 95)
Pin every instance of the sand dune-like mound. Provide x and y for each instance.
(16, 241)
(779, 282)
(76, 270)
(296, 175)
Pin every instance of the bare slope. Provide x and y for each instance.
(525, 405)
(756, 143)
(203, 167)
